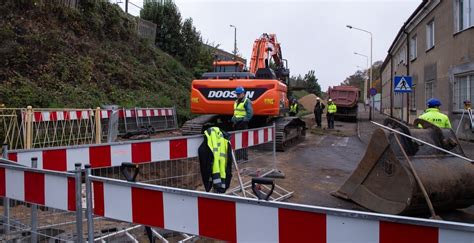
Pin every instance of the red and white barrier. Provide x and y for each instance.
(140, 112)
(50, 189)
(246, 220)
(72, 115)
(114, 154)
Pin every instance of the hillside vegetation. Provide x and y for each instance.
(61, 57)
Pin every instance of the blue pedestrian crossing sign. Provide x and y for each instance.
(402, 84)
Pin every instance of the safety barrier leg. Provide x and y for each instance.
(78, 203)
(90, 219)
(6, 201)
(175, 117)
(34, 210)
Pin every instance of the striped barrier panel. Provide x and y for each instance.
(237, 219)
(143, 151)
(69, 115)
(46, 188)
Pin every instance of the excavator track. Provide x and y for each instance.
(198, 124)
(289, 131)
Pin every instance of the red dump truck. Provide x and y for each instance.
(345, 98)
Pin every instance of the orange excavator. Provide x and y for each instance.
(265, 84)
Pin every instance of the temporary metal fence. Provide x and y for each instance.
(115, 209)
(40, 128)
(151, 119)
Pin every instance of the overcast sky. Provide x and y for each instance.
(313, 34)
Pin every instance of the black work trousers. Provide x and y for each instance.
(330, 120)
(241, 154)
(317, 118)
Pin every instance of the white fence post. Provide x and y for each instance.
(34, 210)
(90, 219)
(78, 202)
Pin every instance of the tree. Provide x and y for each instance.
(312, 84)
(167, 18)
(181, 40)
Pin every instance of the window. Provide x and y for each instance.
(413, 48)
(430, 35)
(463, 90)
(464, 14)
(429, 89)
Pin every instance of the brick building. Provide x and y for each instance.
(436, 47)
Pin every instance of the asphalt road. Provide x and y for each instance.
(322, 163)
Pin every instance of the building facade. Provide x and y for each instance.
(435, 47)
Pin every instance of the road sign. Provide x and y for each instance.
(402, 84)
(373, 91)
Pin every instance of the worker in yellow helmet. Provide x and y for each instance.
(434, 116)
(332, 109)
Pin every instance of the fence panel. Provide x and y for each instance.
(236, 219)
(37, 205)
(12, 127)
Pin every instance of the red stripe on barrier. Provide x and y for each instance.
(232, 141)
(53, 116)
(299, 226)
(152, 112)
(13, 157)
(2, 182)
(245, 139)
(178, 148)
(265, 135)
(255, 138)
(38, 117)
(141, 152)
(147, 207)
(121, 114)
(79, 115)
(55, 160)
(100, 156)
(98, 198)
(71, 194)
(217, 219)
(133, 113)
(34, 187)
(392, 232)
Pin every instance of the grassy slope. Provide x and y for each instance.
(60, 57)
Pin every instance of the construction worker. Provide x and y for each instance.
(332, 108)
(434, 116)
(214, 160)
(243, 111)
(318, 111)
(294, 107)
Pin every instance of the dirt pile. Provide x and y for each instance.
(308, 101)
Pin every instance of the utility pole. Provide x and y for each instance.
(371, 64)
(126, 6)
(235, 41)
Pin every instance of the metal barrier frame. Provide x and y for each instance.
(463, 230)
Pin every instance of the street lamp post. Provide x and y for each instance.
(370, 76)
(235, 41)
(365, 80)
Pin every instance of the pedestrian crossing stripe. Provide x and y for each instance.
(403, 85)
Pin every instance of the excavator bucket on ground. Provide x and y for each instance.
(383, 181)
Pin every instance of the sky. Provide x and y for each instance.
(313, 34)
